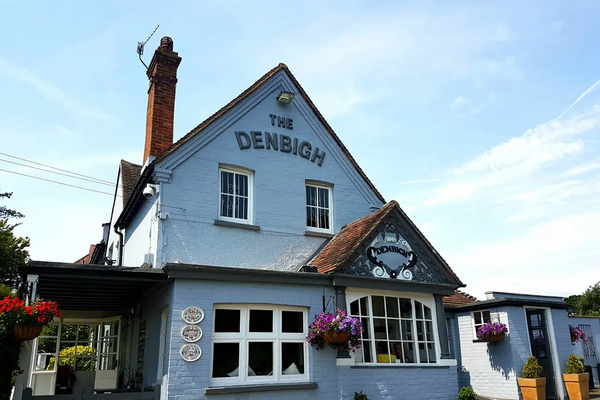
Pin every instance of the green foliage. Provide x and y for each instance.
(6, 213)
(6, 291)
(13, 253)
(9, 367)
(574, 365)
(360, 396)
(467, 393)
(587, 303)
(532, 369)
(72, 356)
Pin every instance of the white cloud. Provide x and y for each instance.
(458, 102)
(582, 169)
(48, 90)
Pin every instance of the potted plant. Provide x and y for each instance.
(27, 322)
(533, 384)
(360, 396)
(467, 393)
(339, 330)
(576, 380)
(491, 332)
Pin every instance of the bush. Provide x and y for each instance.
(73, 356)
(467, 393)
(360, 396)
(574, 365)
(532, 369)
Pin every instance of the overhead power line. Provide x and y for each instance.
(57, 182)
(59, 173)
(58, 169)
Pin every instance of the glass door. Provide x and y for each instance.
(43, 374)
(540, 347)
(107, 350)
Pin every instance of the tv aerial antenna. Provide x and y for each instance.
(140, 46)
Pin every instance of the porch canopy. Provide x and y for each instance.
(88, 287)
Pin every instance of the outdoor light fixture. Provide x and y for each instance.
(285, 97)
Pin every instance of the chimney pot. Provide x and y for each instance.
(166, 43)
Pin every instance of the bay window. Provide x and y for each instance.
(398, 330)
(259, 343)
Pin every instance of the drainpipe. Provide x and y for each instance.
(122, 245)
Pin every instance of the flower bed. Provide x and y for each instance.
(491, 332)
(339, 330)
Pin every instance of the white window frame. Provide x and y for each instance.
(244, 336)
(250, 175)
(476, 326)
(425, 299)
(329, 189)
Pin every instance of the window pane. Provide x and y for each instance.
(429, 332)
(409, 353)
(311, 196)
(227, 182)
(364, 306)
(407, 330)
(380, 329)
(107, 362)
(260, 358)
(420, 332)
(311, 217)
(47, 345)
(227, 320)
(323, 198)
(418, 310)
(364, 354)
(397, 351)
(477, 317)
(292, 322)
(393, 329)
(427, 312)
(383, 353)
(431, 352)
(226, 205)
(422, 353)
(292, 358)
(261, 321)
(323, 218)
(391, 304)
(354, 308)
(486, 316)
(378, 307)
(405, 308)
(366, 329)
(226, 360)
(241, 185)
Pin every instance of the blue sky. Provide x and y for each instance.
(451, 109)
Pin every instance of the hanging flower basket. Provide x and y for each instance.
(341, 331)
(492, 337)
(23, 333)
(576, 334)
(335, 337)
(491, 332)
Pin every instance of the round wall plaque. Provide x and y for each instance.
(191, 333)
(190, 352)
(193, 315)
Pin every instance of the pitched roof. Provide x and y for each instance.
(130, 174)
(343, 245)
(458, 298)
(347, 240)
(246, 93)
(86, 259)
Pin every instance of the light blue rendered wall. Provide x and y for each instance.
(188, 380)
(279, 189)
(152, 309)
(138, 238)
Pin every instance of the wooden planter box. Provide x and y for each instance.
(577, 386)
(335, 337)
(533, 388)
(23, 333)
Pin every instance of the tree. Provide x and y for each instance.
(587, 303)
(13, 249)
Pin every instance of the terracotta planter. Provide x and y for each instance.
(335, 337)
(533, 389)
(23, 333)
(493, 337)
(577, 386)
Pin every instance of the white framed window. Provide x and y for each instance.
(258, 344)
(396, 330)
(235, 195)
(480, 318)
(319, 208)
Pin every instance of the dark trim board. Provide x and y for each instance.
(505, 302)
(260, 388)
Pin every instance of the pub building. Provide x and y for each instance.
(220, 250)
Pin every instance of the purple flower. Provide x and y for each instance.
(490, 328)
(339, 322)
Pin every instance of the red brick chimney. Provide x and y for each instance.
(162, 75)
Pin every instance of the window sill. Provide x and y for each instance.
(260, 388)
(230, 224)
(410, 366)
(319, 234)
